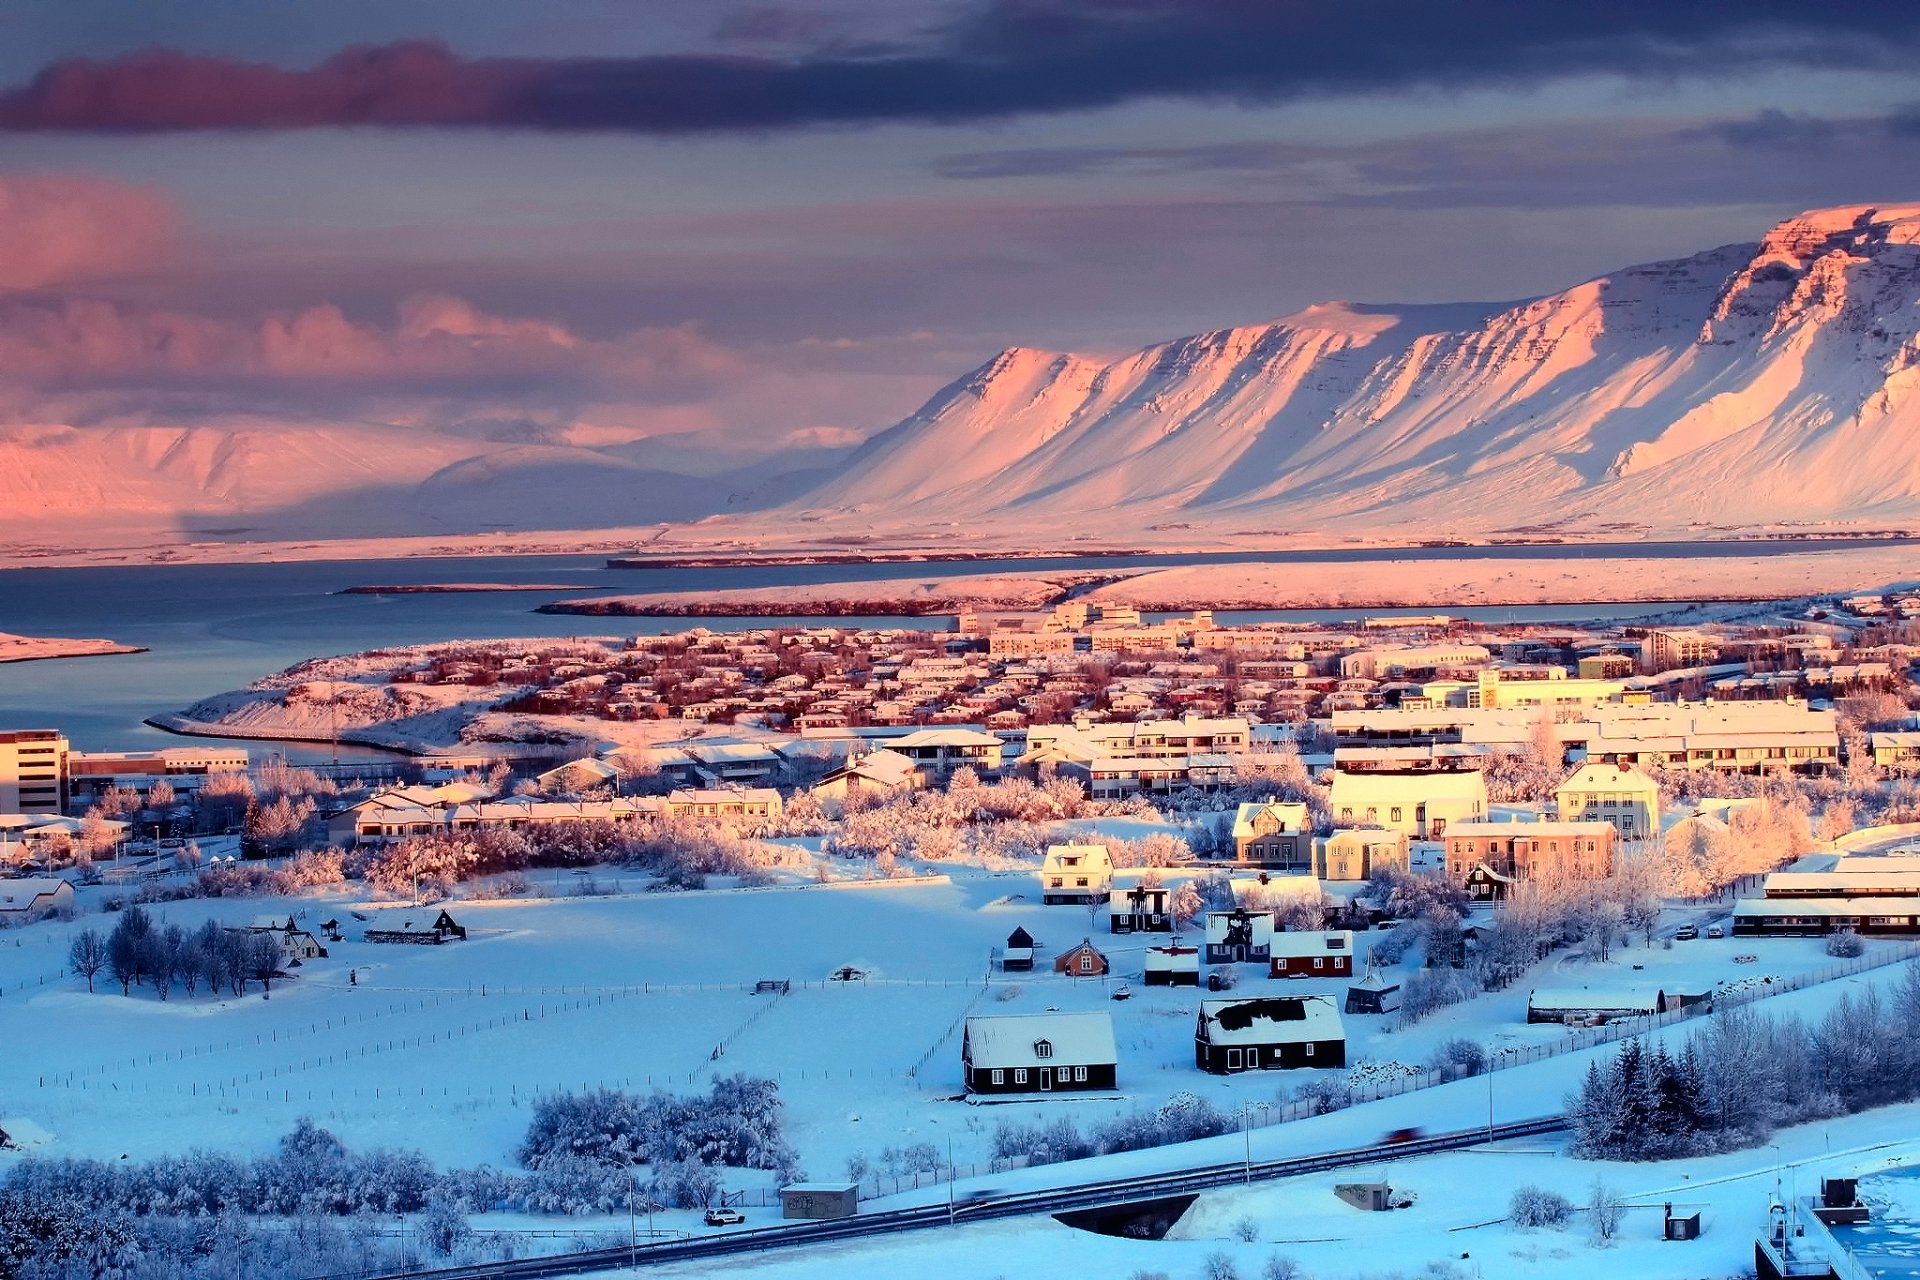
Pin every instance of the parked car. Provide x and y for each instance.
(1686, 933)
(1122, 992)
(1715, 931)
(725, 1217)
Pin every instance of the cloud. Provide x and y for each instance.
(1008, 58)
(56, 228)
(438, 345)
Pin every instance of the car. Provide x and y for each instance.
(1686, 933)
(724, 1217)
(1122, 992)
(1394, 1137)
(1715, 931)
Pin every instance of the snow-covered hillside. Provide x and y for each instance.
(1746, 385)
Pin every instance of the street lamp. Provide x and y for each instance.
(1246, 1132)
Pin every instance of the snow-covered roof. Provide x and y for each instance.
(1290, 816)
(1013, 1040)
(1640, 997)
(1609, 777)
(1385, 787)
(1305, 945)
(22, 895)
(1261, 924)
(1271, 1020)
(1877, 905)
(946, 738)
(1593, 827)
(1090, 857)
(1180, 958)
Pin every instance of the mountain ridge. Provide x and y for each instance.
(1745, 384)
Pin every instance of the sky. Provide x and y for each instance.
(735, 227)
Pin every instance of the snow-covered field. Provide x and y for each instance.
(15, 648)
(441, 1047)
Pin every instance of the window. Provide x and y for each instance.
(1079, 1073)
(1086, 964)
(1309, 1049)
(1396, 813)
(1319, 962)
(1019, 1075)
(999, 1076)
(1043, 1048)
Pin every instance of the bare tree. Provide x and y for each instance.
(87, 957)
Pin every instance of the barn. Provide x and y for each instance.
(1038, 1053)
(1018, 956)
(1264, 1033)
(1373, 994)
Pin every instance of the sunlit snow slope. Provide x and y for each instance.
(1747, 385)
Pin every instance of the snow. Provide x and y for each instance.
(15, 648)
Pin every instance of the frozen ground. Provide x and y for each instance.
(27, 648)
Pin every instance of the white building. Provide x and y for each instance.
(1076, 873)
(1418, 804)
(1625, 797)
(33, 771)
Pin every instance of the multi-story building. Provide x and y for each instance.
(1358, 853)
(33, 771)
(1420, 803)
(1274, 834)
(1670, 649)
(185, 769)
(1582, 850)
(1624, 797)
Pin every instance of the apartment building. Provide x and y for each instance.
(1420, 804)
(1514, 851)
(1624, 797)
(33, 771)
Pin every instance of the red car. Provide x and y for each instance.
(1397, 1136)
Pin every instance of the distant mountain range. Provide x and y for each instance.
(1753, 385)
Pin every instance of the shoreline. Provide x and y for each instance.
(188, 728)
(437, 588)
(22, 649)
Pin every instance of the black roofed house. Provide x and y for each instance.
(1239, 936)
(1018, 957)
(1262, 1033)
(1038, 1053)
(1139, 910)
(296, 944)
(1484, 884)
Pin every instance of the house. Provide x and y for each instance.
(1359, 853)
(880, 772)
(1239, 936)
(731, 805)
(296, 944)
(1038, 1053)
(1263, 1033)
(1018, 956)
(1373, 994)
(1603, 1004)
(1418, 803)
(1484, 884)
(32, 899)
(1173, 966)
(1314, 953)
(1083, 961)
(1578, 850)
(938, 753)
(1076, 873)
(1140, 910)
(577, 776)
(1272, 834)
(442, 929)
(1619, 794)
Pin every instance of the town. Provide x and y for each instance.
(1112, 866)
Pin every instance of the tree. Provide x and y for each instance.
(87, 957)
(263, 956)
(126, 947)
(1605, 1209)
(1186, 903)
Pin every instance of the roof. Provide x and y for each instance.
(1009, 1040)
(1173, 957)
(1292, 817)
(1582, 827)
(946, 738)
(1573, 999)
(1386, 785)
(1271, 1020)
(1289, 945)
(1873, 906)
(1072, 855)
(1217, 922)
(820, 1188)
(1608, 777)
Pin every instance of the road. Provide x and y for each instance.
(1053, 1200)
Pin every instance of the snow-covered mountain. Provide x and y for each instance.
(1754, 384)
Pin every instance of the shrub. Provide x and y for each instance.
(1537, 1207)
(1247, 1229)
(1219, 1266)
(1459, 1058)
(1280, 1267)
(1605, 1209)
(1845, 944)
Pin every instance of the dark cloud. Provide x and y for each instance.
(1013, 57)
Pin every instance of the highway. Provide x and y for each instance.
(1084, 1195)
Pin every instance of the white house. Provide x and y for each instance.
(1077, 873)
(1418, 804)
(25, 900)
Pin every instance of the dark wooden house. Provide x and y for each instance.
(1373, 994)
(1139, 910)
(443, 929)
(1038, 1053)
(1263, 1033)
(1018, 957)
(1239, 936)
(1173, 966)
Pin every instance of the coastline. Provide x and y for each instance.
(42, 649)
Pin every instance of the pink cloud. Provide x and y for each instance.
(56, 227)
